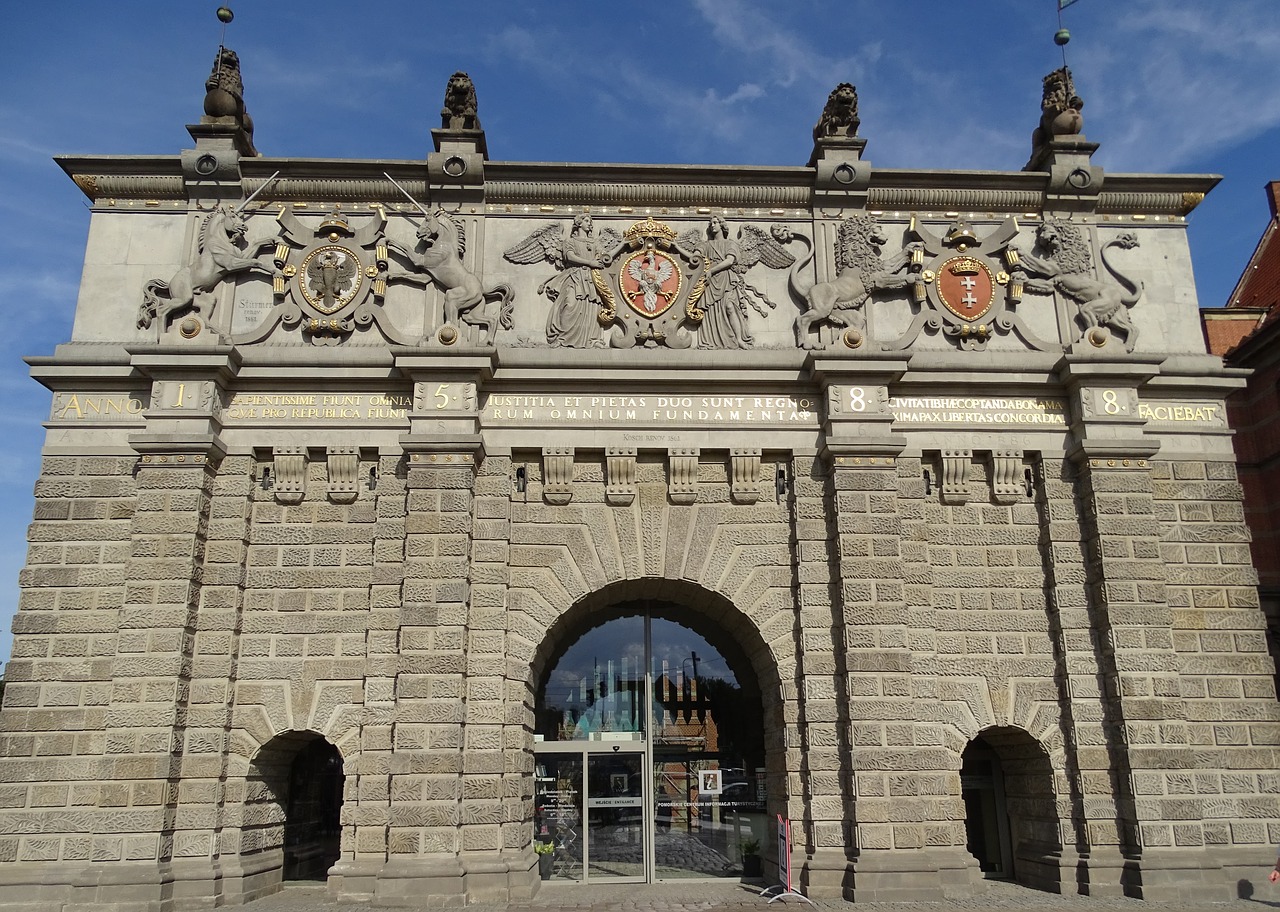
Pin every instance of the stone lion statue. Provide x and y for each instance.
(224, 93)
(1060, 109)
(459, 112)
(840, 116)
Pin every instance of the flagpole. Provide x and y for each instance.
(1062, 36)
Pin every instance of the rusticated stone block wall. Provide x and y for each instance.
(1225, 683)
(58, 683)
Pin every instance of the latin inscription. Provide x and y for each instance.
(1008, 411)
(96, 407)
(1179, 412)
(502, 410)
(505, 410)
(264, 407)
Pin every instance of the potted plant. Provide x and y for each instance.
(543, 850)
(751, 864)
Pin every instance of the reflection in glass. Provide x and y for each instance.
(708, 760)
(615, 846)
(596, 689)
(700, 725)
(557, 812)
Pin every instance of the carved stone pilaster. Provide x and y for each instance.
(682, 475)
(1008, 479)
(620, 475)
(557, 475)
(344, 474)
(955, 476)
(1105, 410)
(290, 472)
(744, 475)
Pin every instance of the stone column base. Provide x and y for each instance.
(454, 880)
(1209, 874)
(915, 875)
(62, 887)
(355, 878)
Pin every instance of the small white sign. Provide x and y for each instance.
(710, 782)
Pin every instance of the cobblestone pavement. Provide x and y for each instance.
(706, 897)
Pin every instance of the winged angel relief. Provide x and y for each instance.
(654, 295)
(576, 304)
(728, 294)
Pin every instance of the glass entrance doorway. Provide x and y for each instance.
(649, 756)
(589, 807)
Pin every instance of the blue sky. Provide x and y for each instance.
(1169, 86)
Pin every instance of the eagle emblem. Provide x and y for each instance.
(650, 282)
(330, 278)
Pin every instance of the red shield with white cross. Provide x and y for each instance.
(966, 287)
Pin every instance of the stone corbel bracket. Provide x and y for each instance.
(744, 475)
(290, 474)
(620, 476)
(557, 475)
(955, 476)
(1008, 476)
(682, 475)
(344, 474)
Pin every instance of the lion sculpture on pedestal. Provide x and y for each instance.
(840, 116)
(459, 112)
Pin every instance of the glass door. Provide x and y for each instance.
(650, 757)
(615, 816)
(589, 805)
(558, 812)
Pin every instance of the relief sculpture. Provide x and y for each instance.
(728, 296)
(573, 321)
(1066, 267)
(442, 243)
(859, 273)
(218, 255)
(329, 282)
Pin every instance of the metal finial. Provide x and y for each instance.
(225, 15)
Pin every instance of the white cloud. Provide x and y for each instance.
(743, 27)
(1182, 83)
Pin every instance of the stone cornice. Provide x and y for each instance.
(516, 184)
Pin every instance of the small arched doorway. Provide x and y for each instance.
(295, 792)
(650, 752)
(1011, 821)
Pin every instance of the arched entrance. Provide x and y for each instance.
(1011, 821)
(294, 800)
(650, 750)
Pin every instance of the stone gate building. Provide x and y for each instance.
(424, 524)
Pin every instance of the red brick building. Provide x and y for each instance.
(1247, 334)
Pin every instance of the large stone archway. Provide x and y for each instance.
(673, 694)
